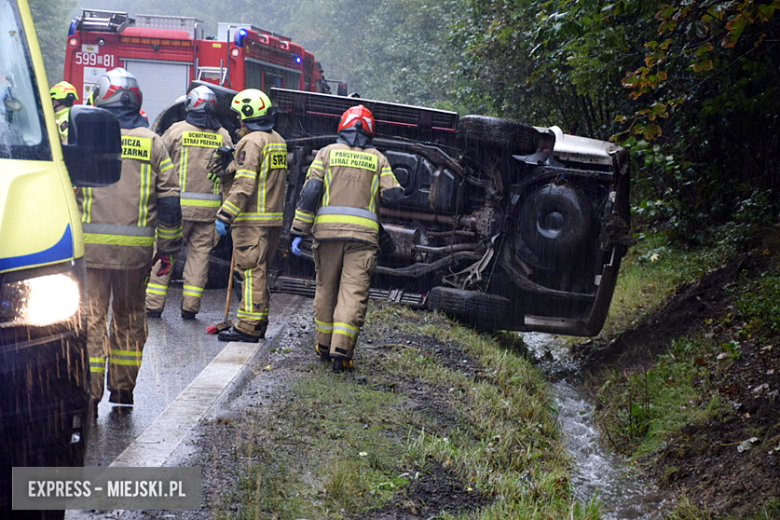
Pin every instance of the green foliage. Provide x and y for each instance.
(641, 410)
(52, 19)
(759, 303)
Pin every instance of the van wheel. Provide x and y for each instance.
(513, 136)
(485, 312)
(555, 221)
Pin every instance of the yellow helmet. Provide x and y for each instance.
(64, 92)
(251, 104)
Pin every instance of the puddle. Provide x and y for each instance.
(598, 472)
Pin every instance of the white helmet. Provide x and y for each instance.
(118, 88)
(201, 99)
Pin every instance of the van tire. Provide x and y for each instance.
(515, 137)
(485, 312)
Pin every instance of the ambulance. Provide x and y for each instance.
(44, 370)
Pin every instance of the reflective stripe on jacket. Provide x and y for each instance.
(255, 195)
(120, 221)
(353, 180)
(191, 148)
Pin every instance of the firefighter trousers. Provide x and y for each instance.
(344, 270)
(255, 249)
(200, 238)
(121, 342)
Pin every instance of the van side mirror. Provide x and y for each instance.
(93, 154)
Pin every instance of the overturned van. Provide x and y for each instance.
(502, 224)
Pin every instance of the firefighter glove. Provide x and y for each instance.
(222, 228)
(220, 160)
(166, 263)
(296, 246)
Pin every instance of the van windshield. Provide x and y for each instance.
(21, 114)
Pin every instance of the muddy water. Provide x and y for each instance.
(598, 472)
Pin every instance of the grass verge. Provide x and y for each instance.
(437, 422)
(685, 413)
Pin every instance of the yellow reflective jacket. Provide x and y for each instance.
(121, 221)
(191, 148)
(255, 195)
(62, 117)
(353, 180)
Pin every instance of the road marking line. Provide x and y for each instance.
(218, 381)
(154, 446)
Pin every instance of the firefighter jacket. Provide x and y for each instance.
(191, 148)
(62, 117)
(120, 221)
(255, 195)
(340, 197)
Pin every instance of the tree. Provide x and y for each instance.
(51, 19)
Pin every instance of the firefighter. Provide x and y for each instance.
(120, 223)
(339, 202)
(191, 144)
(253, 207)
(63, 95)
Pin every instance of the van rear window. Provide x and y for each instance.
(22, 134)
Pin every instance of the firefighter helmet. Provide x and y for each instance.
(358, 117)
(118, 88)
(251, 104)
(200, 99)
(64, 93)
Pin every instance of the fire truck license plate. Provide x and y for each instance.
(93, 59)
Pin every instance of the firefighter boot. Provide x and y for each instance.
(341, 364)
(233, 334)
(323, 351)
(121, 397)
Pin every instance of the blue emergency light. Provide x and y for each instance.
(238, 38)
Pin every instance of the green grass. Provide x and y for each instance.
(343, 445)
(650, 272)
(640, 411)
(759, 302)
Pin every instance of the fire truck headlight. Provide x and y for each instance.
(235, 52)
(101, 41)
(73, 42)
(39, 301)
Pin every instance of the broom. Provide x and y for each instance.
(226, 323)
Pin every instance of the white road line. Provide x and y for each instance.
(157, 443)
(222, 378)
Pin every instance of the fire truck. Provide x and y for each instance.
(167, 53)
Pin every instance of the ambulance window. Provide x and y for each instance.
(21, 113)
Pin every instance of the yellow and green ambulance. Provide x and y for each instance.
(43, 362)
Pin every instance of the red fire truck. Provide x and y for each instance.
(166, 53)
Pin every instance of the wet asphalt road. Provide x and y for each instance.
(175, 353)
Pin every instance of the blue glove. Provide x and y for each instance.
(222, 228)
(296, 246)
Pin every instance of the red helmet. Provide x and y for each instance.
(358, 117)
